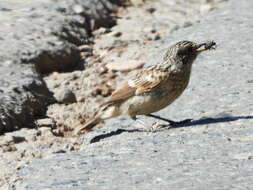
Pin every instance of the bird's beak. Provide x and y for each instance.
(205, 46)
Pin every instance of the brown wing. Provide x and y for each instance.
(141, 83)
(122, 93)
(149, 79)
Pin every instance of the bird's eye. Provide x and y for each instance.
(188, 49)
(185, 50)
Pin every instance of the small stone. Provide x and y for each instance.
(205, 8)
(157, 37)
(46, 122)
(81, 99)
(102, 69)
(9, 149)
(85, 48)
(187, 24)
(151, 10)
(153, 30)
(65, 96)
(116, 34)
(111, 75)
(58, 150)
(78, 9)
(45, 131)
(101, 31)
(69, 147)
(125, 66)
(103, 90)
(58, 133)
(137, 2)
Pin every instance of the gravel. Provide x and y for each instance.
(38, 37)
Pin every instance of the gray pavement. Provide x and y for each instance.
(215, 151)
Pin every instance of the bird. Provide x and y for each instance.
(152, 88)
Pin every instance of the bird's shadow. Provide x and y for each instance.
(201, 121)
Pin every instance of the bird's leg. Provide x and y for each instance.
(153, 127)
(172, 123)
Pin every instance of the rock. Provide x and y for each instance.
(205, 8)
(46, 122)
(78, 9)
(102, 69)
(103, 90)
(65, 96)
(45, 131)
(81, 99)
(44, 39)
(101, 31)
(137, 2)
(125, 66)
(58, 132)
(85, 48)
(58, 151)
(116, 33)
(9, 148)
(151, 10)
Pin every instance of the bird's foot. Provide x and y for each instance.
(155, 127)
(149, 128)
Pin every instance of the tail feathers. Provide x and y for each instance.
(88, 126)
(106, 112)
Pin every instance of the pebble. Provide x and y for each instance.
(103, 90)
(137, 2)
(85, 48)
(151, 10)
(45, 131)
(102, 69)
(58, 133)
(78, 9)
(101, 31)
(81, 99)
(65, 96)
(46, 122)
(116, 34)
(205, 8)
(9, 148)
(125, 66)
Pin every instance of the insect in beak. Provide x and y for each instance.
(206, 46)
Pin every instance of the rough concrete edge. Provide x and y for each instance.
(38, 97)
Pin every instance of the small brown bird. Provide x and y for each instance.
(154, 87)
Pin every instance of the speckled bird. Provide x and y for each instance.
(152, 88)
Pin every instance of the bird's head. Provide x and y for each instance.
(187, 51)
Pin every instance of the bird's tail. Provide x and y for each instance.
(88, 126)
(104, 113)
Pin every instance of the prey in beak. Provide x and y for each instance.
(206, 46)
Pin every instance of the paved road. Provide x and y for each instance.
(214, 152)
